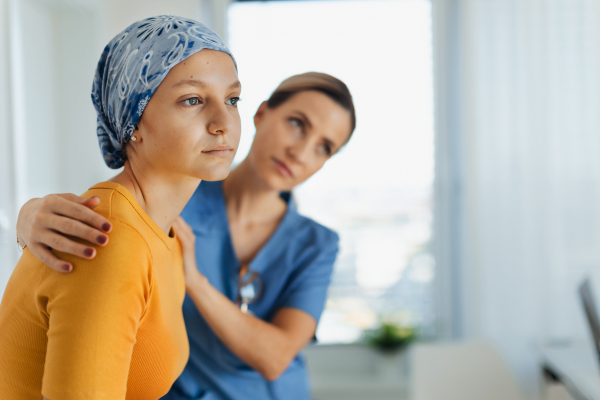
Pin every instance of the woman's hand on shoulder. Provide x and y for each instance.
(45, 223)
(187, 239)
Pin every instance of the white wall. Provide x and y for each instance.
(8, 249)
(49, 51)
(39, 105)
(55, 48)
(121, 14)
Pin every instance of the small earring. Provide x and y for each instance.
(134, 138)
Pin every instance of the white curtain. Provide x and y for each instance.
(518, 113)
(8, 247)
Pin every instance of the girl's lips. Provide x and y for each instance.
(222, 150)
(283, 168)
(219, 153)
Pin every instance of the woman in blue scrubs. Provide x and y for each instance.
(256, 270)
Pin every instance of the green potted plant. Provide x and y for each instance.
(390, 337)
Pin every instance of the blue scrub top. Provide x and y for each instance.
(295, 264)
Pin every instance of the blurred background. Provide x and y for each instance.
(468, 202)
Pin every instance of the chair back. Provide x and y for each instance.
(461, 371)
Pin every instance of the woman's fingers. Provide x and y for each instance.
(184, 232)
(44, 224)
(58, 242)
(76, 207)
(48, 258)
(179, 227)
(186, 238)
(183, 227)
(72, 227)
(92, 202)
(178, 230)
(177, 222)
(184, 224)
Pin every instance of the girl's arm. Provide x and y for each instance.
(51, 223)
(268, 347)
(92, 316)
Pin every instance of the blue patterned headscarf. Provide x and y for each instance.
(133, 65)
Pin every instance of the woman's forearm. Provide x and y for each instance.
(264, 346)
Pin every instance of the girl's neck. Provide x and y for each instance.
(249, 199)
(161, 195)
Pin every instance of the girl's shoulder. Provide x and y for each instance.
(130, 222)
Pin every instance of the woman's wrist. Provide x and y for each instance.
(21, 240)
(195, 281)
(22, 222)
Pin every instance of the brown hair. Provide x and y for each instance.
(320, 82)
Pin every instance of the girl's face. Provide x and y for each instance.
(294, 140)
(191, 125)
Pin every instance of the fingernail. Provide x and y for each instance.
(67, 268)
(106, 227)
(101, 239)
(88, 252)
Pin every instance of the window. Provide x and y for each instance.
(377, 192)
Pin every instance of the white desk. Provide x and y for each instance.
(576, 366)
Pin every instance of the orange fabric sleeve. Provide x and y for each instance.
(93, 315)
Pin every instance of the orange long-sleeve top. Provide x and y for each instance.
(111, 329)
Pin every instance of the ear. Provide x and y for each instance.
(260, 113)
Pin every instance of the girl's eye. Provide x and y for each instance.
(325, 150)
(233, 101)
(192, 101)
